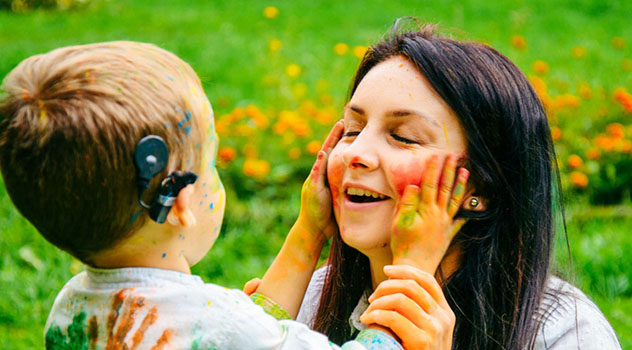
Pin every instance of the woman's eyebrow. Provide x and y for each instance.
(407, 112)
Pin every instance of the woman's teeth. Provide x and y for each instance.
(359, 192)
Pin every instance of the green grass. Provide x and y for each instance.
(226, 43)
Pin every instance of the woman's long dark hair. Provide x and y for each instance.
(496, 291)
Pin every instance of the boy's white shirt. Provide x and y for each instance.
(148, 306)
(573, 321)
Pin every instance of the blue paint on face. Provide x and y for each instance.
(166, 126)
(170, 78)
(205, 195)
(187, 115)
(211, 206)
(187, 130)
(164, 255)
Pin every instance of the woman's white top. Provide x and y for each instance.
(572, 322)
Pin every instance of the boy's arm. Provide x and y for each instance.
(287, 278)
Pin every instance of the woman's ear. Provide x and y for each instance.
(474, 202)
(180, 213)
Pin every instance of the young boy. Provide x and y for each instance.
(71, 124)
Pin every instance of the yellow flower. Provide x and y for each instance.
(275, 45)
(359, 51)
(578, 51)
(293, 70)
(313, 147)
(341, 49)
(270, 12)
(618, 42)
(299, 90)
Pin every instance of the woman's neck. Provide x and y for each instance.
(377, 262)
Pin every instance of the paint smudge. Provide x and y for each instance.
(445, 132)
(164, 255)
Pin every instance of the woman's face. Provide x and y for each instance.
(394, 122)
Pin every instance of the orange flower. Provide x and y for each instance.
(604, 142)
(270, 12)
(226, 154)
(579, 179)
(256, 168)
(585, 91)
(313, 147)
(341, 49)
(574, 161)
(567, 100)
(578, 51)
(250, 151)
(519, 42)
(618, 42)
(626, 146)
(626, 65)
(556, 133)
(622, 96)
(294, 153)
(593, 153)
(541, 67)
(616, 130)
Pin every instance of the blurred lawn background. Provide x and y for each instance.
(277, 74)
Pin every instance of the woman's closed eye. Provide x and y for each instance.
(351, 134)
(403, 139)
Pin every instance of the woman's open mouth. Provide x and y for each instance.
(359, 195)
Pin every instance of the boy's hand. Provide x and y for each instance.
(316, 213)
(251, 286)
(412, 305)
(424, 227)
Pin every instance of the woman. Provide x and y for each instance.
(416, 94)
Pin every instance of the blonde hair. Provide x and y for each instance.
(70, 121)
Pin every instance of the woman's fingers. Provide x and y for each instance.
(403, 306)
(410, 288)
(408, 333)
(459, 192)
(334, 136)
(251, 286)
(408, 207)
(424, 279)
(430, 181)
(447, 181)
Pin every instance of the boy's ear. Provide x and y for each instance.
(180, 213)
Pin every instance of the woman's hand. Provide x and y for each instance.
(251, 286)
(412, 305)
(316, 214)
(424, 227)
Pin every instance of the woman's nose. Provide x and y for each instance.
(361, 153)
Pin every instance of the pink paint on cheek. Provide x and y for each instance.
(335, 170)
(407, 174)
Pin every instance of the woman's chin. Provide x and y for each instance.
(366, 238)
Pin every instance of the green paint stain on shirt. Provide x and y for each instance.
(75, 340)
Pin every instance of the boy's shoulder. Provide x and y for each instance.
(125, 305)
